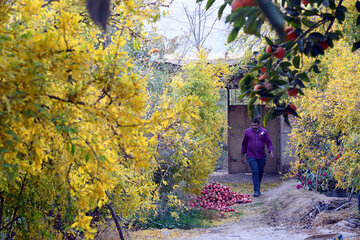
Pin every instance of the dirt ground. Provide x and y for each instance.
(281, 213)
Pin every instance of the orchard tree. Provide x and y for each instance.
(305, 29)
(325, 140)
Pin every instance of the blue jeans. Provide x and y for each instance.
(257, 166)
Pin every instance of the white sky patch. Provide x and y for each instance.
(177, 24)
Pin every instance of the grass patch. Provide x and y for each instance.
(186, 219)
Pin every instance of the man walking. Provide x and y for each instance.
(253, 148)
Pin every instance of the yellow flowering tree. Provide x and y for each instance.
(73, 130)
(325, 140)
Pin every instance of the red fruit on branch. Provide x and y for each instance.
(258, 87)
(291, 35)
(248, 3)
(324, 45)
(262, 77)
(269, 49)
(237, 4)
(264, 99)
(293, 92)
(263, 69)
(280, 52)
(288, 29)
(268, 86)
(305, 2)
(293, 107)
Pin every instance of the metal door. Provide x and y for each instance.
(238, 121)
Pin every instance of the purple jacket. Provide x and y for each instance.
(254, 143)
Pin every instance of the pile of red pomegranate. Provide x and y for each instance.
(219, 197)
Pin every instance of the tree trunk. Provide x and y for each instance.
(114, 216)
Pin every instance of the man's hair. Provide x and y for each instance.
(255, 120)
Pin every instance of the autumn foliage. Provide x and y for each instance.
(75, 128)
(325, 141)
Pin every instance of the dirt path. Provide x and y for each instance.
(274, 215)
(281, 213)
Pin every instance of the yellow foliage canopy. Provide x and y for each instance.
(330, 121)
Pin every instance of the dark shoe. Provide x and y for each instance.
(256, 194)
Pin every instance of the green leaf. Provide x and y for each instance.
(73, 149)
(274, 15)
(275, 81)
(241, 96)
(340, 15)
(357, 5)
(233, 35)
(316, 69)
(332, 4)
(268, 65)
(307, 22)
(267, 117)
(311, 12)
(246, 80)
(256, 111)
(301, 45)
(355, 46)
(341, 8)
(316, 50)
(290, 110)
(296, 61)
(358, 21)
(264, 56)
(317, 35)
(239, 22)
(303, 76)
(328, 16)
(251, 25)
(292, 12)
(209, 3)
(87, 157)
(221, 10)
(252, 101)
(285, 65)
(299, 82)
(268, 40)
(286, 119)
(339, 33)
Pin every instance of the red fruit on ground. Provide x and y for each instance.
(324, 45)
(237, 4)
(269, 49)
(280, 52)
(291, 36)
(293, 92)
